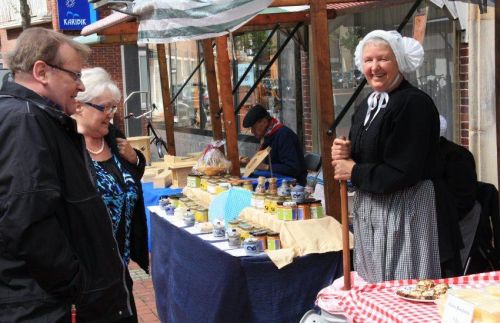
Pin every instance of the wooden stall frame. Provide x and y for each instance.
(168, 113)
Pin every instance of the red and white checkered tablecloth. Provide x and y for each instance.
(379, 302)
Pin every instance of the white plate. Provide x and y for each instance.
(407, 289)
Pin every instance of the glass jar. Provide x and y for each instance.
(219, 230)
(303, 211)
(204, 182)
(273, 188)
(234, 238)
(193, 181)
(317, 210)
(260, 235)
(201, 215)
(289, 211)
(212, 186)
(259, 199)
(273, 240)
(284, 189)
(261, 185)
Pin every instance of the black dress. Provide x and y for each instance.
(395, 225)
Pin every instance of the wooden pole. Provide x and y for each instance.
(224, 72)
(55, 15)
(168, 114)
(336, 197)
(213, 94)
(324, 104)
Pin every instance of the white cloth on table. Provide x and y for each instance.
(395, 234)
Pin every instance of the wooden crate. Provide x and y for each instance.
(141, 143)
(180, 171)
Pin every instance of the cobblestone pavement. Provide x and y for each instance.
(144, 295)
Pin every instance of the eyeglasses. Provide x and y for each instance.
(77, 76)
(102, 108)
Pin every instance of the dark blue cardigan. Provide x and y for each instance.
(287, 156)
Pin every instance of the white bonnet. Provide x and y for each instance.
(409, 53)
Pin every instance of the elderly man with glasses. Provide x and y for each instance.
(58, 255)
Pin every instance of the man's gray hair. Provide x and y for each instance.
(96, 81)
(42, 44)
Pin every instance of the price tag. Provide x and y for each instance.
(457, 310)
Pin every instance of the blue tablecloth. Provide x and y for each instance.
(196, 282)
(151, 198)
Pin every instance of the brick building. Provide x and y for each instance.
(456, 74)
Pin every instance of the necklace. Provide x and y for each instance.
(99, 150)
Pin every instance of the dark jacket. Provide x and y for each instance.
(56, 241)
(287, 156)
(139, 232)
(455, 196)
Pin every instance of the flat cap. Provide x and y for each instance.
(253, 115)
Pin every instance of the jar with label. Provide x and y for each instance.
(260, 235)
(289, 211)
(261, 185)
(273, 203)
(273, 240)
(317, 210)
(169, 209)
(222, 187)
(259, 199)
(303, 211)
(252, 246)
(164, 201)
(174, 200)
(212, 186)
(193, 180)
(201, 215)
(233, 237)
(273, 188)
(204, 182)
(219, 229)
(188, 218)
(279, 211)
(284, 189)
(267, 202)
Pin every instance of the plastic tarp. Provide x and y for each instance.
(165, 21)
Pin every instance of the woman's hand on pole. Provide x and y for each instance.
(343, 169)
(341, 149)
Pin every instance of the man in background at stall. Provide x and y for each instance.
(57, 250)
(287, 156)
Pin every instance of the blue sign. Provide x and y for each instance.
(75, 14)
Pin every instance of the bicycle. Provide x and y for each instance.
(157, 140)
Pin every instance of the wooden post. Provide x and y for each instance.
(324, 95)
(213, 94)
(55, 15)
(335, 196)
(224, 73)
(168, 115)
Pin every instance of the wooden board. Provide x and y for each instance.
(255, 161)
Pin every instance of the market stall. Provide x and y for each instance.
(196, 281)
